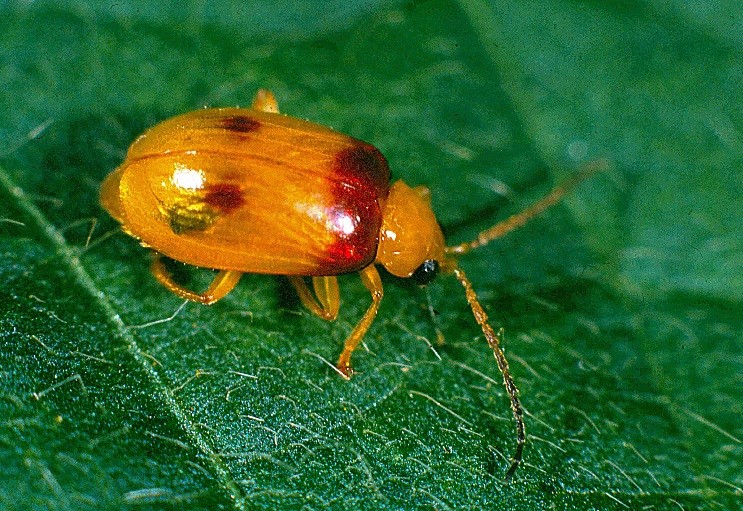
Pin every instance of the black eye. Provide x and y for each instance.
(426, 272)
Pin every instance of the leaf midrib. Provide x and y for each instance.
(72, 264)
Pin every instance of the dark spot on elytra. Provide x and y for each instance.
(224, 197)
(187, 215)
(185, 223)
(364, 166)
(240, 124)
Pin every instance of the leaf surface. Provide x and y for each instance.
(621, 306)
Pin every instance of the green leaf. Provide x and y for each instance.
(621, 306)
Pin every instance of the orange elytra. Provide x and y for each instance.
(247, 190)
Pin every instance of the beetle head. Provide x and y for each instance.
(410, 240)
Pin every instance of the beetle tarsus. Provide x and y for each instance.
(346, 370)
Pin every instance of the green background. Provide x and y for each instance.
(621, 306)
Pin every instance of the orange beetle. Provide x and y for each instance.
(252, 191)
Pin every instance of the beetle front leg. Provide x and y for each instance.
(370, 278)
(223, 283)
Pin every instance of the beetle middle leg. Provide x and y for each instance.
(222, 284)
(326, 300)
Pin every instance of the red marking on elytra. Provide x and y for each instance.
(224, 196)
(360, 179)
(364, 166)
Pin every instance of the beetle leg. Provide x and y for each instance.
(265, 101)
(326, 300)
(370, 278)
(223, 283)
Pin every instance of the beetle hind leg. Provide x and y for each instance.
(223, 283)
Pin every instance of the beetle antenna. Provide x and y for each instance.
(494, 340)
(515, 221)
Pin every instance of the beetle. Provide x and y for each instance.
(248, 190)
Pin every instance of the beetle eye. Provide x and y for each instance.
(426, 272)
